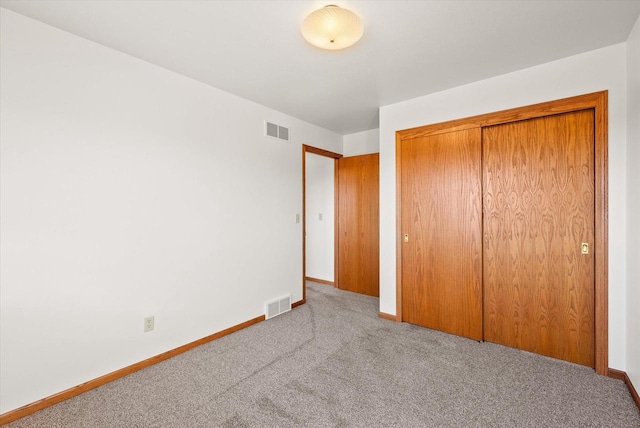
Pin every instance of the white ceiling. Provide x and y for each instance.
(410, 48)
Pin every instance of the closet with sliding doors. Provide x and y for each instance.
(502, 228)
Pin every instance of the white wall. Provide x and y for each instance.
(361, 143)
(128, 191)
(633, 216)
(589, 72)
(320, 181)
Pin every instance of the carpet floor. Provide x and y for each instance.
(334, 363)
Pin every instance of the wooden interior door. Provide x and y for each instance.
(441, 220)
(358, 224)
(538, 210)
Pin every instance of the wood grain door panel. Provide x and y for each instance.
(441, 208)
(538, 210)
(358, 224)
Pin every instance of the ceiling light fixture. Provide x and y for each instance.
(332, 27)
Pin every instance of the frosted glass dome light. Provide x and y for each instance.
(332, 27)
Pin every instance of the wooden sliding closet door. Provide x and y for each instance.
(441, 206)
(358, 224)
(538, 212)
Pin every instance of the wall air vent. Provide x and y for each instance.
(277, 307)
(276, 131)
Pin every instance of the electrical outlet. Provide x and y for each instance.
(148, 324)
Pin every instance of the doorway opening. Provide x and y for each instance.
(319, 217)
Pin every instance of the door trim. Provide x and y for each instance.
(598, 101)
(335, 156)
